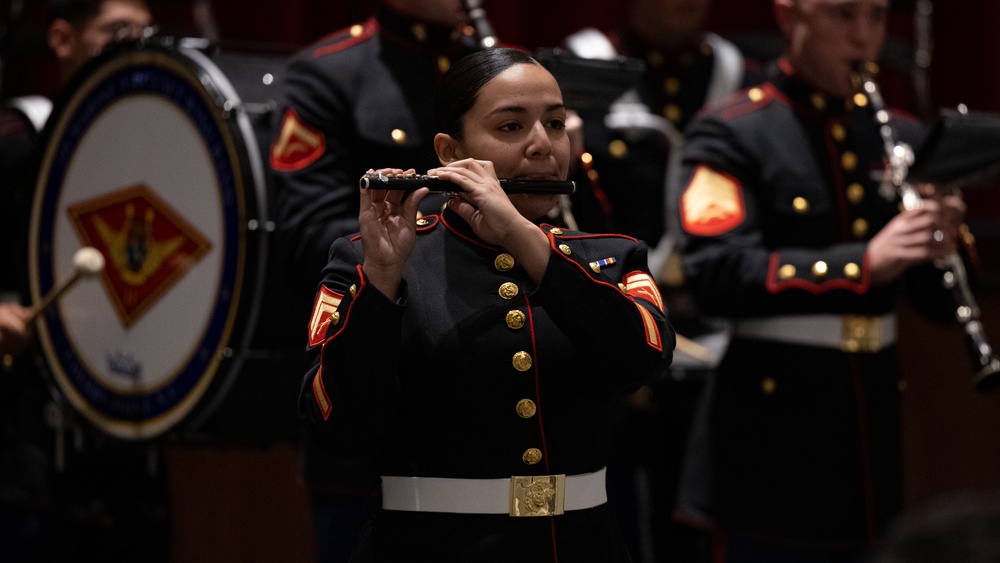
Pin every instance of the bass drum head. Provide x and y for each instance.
(147, 160)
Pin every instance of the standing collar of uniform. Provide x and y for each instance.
(458, 227)
(412, 32)
(807, 99)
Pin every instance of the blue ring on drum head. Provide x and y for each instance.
(145, 79)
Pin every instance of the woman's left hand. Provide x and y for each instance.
(388, 233)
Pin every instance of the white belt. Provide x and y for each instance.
(849, 333)
(533, 495)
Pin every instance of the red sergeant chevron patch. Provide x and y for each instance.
(297, 146)
(652, 332)
(319, 393)
(324, 312)
(641, 284)
(712, 203)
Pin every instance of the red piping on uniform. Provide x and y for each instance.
(770, 94)
(774, 286)
(602, 235)
(370, 27)
(597, 190)
(541, 424)
(347, 316)
(538, 393)
(470, 240)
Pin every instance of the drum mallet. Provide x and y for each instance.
(88, 261)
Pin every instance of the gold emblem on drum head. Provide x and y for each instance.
(537, 495)
(148, 246)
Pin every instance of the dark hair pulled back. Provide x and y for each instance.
(460, 86)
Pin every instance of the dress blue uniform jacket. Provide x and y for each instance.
(429, 384)
(360, 98)
(782, 194)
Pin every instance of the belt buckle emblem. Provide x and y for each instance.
(537, 495)
(861, 334)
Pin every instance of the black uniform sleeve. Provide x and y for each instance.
(735, 271)
(611, 312)
(317, 201)
(350, 397)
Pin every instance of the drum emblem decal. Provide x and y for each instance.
(148, 244)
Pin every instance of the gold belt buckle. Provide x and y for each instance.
(861, 334)
(537, 495)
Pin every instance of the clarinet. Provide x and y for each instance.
(482, 31)
(954, 276)
(379, 181)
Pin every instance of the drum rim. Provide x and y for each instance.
(214, 90)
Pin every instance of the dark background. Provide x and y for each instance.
(950, 433)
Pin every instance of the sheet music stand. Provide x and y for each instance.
(590, 83)
(959, 150)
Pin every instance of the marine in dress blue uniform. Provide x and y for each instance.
(476, 373)
(360, 98)
(798, 436)
(632, 151)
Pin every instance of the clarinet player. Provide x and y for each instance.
(796, 452)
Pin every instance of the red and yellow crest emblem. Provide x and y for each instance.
(712, 204)
(298, 145)
(147, 245)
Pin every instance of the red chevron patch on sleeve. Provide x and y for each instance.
(712, 203)
(319, 393)
(324, 312)
(298, 145)
(641, 284)
(652, 331)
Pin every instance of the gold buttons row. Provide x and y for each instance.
(673, 113)
(504, 262)
(515, 319)
(508, 290)
(531, 456)
(521, 360)
(526, 408)
(820, 269)
(838, 132)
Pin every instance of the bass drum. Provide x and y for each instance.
(154, 158)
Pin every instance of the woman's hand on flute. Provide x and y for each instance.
(388, 232)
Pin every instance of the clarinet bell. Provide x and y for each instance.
(987, 380)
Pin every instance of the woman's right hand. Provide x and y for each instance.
(388, 233)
